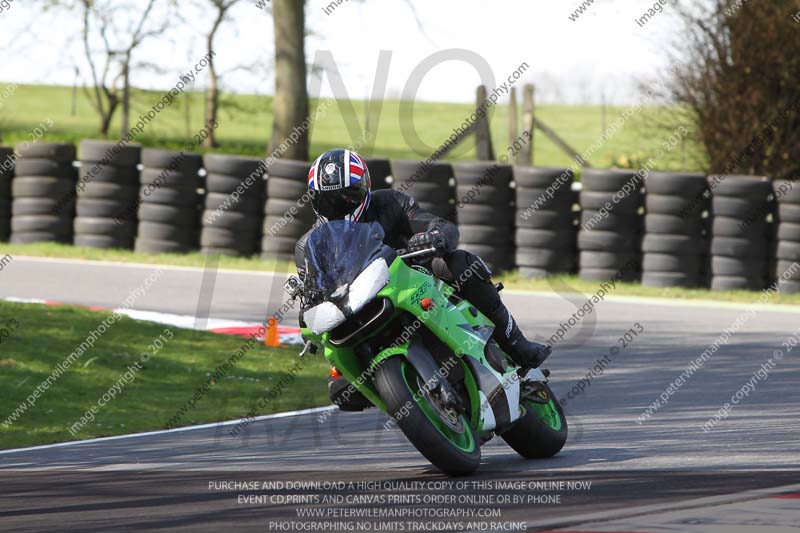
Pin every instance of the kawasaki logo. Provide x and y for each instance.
(417, 296)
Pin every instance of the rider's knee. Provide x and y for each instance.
(441, 269)
(462, 262)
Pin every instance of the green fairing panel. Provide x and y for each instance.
(309, 335)
(346, 362)
(453, 324)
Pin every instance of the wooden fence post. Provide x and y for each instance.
(512, 122)
(483, 135)
(525, 156)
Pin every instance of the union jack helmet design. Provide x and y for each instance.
(339, 184)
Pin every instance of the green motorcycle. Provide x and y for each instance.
(417, 351)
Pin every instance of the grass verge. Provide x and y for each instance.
(559, 284)
(46, 336)
(195, 259)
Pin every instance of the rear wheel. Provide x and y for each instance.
(541, 431)
(440, 433)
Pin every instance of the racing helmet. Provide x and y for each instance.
(339, 185)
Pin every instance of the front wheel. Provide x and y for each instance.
(441, 434)
(541, 431)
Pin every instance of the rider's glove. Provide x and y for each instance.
(429, 239)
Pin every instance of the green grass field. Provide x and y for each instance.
(194, 259)
(246, 121)
(46, 336)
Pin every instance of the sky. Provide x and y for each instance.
(603, 54)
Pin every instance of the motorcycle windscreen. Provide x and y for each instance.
(338, 251)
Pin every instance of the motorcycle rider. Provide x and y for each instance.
(340, 189)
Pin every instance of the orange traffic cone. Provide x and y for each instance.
(272, 338)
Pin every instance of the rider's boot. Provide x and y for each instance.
(525, 353)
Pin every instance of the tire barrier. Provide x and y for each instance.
(234, 228)
(609, 238)
(6, 175)
(168, 202)
(676, 239)
(530, 224)
(43, 189)
(545, 222)
(379, 172)
(288, 214)
(485, 211)
(739, 233)
(108, 195)
(787, 250)
(430, 184)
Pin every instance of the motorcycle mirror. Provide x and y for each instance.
(293, 286)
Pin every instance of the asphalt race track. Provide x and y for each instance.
(615, 474)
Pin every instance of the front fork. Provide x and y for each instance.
(434, 378)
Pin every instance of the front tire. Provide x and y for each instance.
(446, 439)
(541, 431)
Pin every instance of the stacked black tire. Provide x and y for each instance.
(740, 233)
(675, 243)
(107, 195)
(545, 226)
(287, 212)
(43, 191)
(430, 184)
(379, 171)
(168, 218)
(787, 194)
(485, 211)
(609, 238)
(234, 230)
(6, 175)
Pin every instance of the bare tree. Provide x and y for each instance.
(138, 35)
(290, 105)
(105, 97)
(110, 69)
(222, 7)
(737, 80)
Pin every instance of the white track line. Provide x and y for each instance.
(617, 514)
(167, 431)
(91, 262)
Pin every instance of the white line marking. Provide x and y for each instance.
(288, 335)
(91, 262)
(166, 431)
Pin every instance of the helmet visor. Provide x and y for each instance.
(337, 204)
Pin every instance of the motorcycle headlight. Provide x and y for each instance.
(323, 317)
(368, 284)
